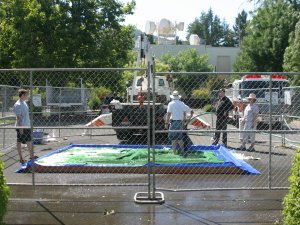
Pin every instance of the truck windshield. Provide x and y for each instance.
(260, 87)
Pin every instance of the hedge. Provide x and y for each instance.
(208, 108)
(4, 193)
(291, 209)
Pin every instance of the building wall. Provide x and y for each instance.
(222, 58)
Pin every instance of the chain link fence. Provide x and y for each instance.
(269, 145)
(107, 127)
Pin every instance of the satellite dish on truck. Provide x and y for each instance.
(180, 26)
(150, 27)
(166, 28)
(194, 39)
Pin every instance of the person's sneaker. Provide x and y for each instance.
(34, 158)
(22, 161)
(251, 149)
(215, 143)
(242, 148)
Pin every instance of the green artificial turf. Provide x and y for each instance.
(126, 156)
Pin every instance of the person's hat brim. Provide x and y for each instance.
(175, 96)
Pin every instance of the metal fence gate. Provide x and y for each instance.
(65, 105)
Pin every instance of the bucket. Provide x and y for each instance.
(38, 137)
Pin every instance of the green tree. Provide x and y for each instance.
(228, 39)
(240, 26)
(210, 28)
(291, 209)
(4, 193)
(64, 33)
(292, 55)
(267, 37)
(188, 61)
(295, 3)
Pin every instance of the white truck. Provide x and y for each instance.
(260, 86)
(140, 86)
(133, 113)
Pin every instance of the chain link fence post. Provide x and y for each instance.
(153, 75)
(4, 114)
(270, 133)
(31, 129)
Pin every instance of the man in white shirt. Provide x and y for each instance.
(176, 116)
(249, 122)
(23, 123)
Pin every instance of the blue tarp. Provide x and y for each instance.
(220, 151)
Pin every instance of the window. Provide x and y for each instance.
(139, 82)
(161, 82)
(260, 87)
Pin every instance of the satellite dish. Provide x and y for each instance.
(194, 39)
(150, 27)
(180, 26)
(165, 28)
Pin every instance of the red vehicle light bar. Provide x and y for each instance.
(255, 76)
(276, 76)
(252, 76)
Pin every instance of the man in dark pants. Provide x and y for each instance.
(223, 107)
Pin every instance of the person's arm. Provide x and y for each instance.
(255, 117)
(184, 119)
(189, 110)
(19, 119)
(167, 119)
(191, 115)
(227, 107)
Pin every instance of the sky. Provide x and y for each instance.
(184, 11)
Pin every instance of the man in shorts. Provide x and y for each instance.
(23, 124)
(176, 116)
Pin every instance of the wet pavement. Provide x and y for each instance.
(108, 198)
(115, 206)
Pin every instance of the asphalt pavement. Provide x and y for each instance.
(93, 205)
(87, 198)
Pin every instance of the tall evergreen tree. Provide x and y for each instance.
(210, 28)
(240, 27)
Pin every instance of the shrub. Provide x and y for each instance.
(98, 95)
(208, 108)
(94, 103)
(291, 209)
(4, 193)
(201, 93)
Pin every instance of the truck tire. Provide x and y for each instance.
(124, 135)
(277, 126)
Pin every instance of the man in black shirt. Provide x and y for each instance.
(222, 109)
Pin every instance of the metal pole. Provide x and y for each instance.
(281, 128)
(31, 127)
(270, 133)
(4, 133)
(152, 73)
(283, 133)
(59, 113)
(4, 114)
(149, 131)
(4, 102)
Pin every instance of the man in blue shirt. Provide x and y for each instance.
(23, 124)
